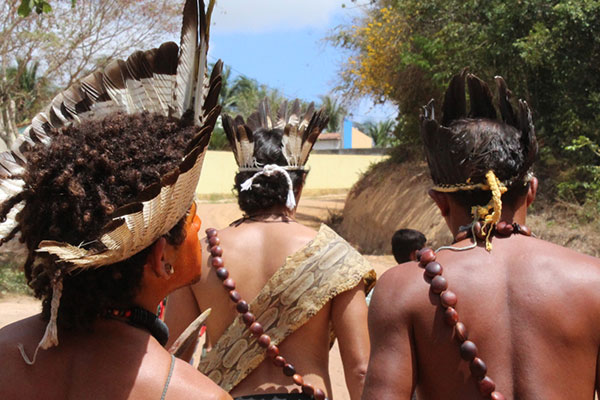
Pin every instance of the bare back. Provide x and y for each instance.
(253, 252)
(114, 361)
(531, 307)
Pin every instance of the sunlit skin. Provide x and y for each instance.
(113, 360)
(531, 307)
(253, 251)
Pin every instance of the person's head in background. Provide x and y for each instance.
(406, 243)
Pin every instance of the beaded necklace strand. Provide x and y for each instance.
(255, 328)
(448, 300)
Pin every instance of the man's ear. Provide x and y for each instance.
(532, 192)
(155, 259)
(441, 200)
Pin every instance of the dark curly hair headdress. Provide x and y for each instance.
(171, 81)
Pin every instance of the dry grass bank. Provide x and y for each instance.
(393, 196)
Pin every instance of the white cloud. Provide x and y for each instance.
(260, 16)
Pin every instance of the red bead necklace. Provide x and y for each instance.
(448, 300)
(242, 307)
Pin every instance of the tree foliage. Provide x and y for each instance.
(381, 132)
(548, 51)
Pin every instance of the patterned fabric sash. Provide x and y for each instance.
(324, 268)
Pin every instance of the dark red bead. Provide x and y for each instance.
(468, 350)
(279, 361)
(427, 256)
(289, 370)
(308, 389)
(248, 318)
(242, 306)
(256, 329)
(462, 235)
(272, 351)
(229, 284)
(478, 368)
(298, 379)
(216, 251)
(450, 316)
(497, 396)
(504, 228)
(524, 230)
(319, 394)
(222, 274)
(235, 296)
(217, 262)
(433, 268)
(439, 284)
(460, 332)
(486, 386)
(211, 232)
(448, 298)
(264, 341)
(214, 241)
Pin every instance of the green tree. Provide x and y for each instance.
(548, 51)
(335, 111)
(381, 132)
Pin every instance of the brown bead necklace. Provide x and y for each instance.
(448, 300)
(256, 329)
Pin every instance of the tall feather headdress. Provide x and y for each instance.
(300, 132)
(169, 80)
(439, 140)
(480, 152)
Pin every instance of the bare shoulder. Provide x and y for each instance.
(23, 331)
(398, 291)
(187, 382)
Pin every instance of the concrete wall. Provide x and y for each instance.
(327, 172)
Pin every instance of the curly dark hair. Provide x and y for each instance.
(74, 185)
(267, 191)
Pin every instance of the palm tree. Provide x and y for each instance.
(381, 132)
(336, 112)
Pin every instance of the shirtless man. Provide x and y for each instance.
(531, 307)
(102, 196)
(299, 283)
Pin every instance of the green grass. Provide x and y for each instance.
(12, 277)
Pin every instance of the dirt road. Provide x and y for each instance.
(311, 211)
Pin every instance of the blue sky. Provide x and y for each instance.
(280, 43)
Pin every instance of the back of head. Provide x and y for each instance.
(267, 191)
(406, 241)
(272, 155)
(463, 149)
(75, 185)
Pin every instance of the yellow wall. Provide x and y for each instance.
(327, 171)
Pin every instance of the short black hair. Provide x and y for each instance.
(267, 191)
(404, 242)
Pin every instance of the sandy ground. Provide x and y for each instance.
(311, 211)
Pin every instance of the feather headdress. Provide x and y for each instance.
(475, 150)
(300, 132)
(446, 149)
(169, 80)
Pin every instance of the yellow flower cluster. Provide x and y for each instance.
(379, 40)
